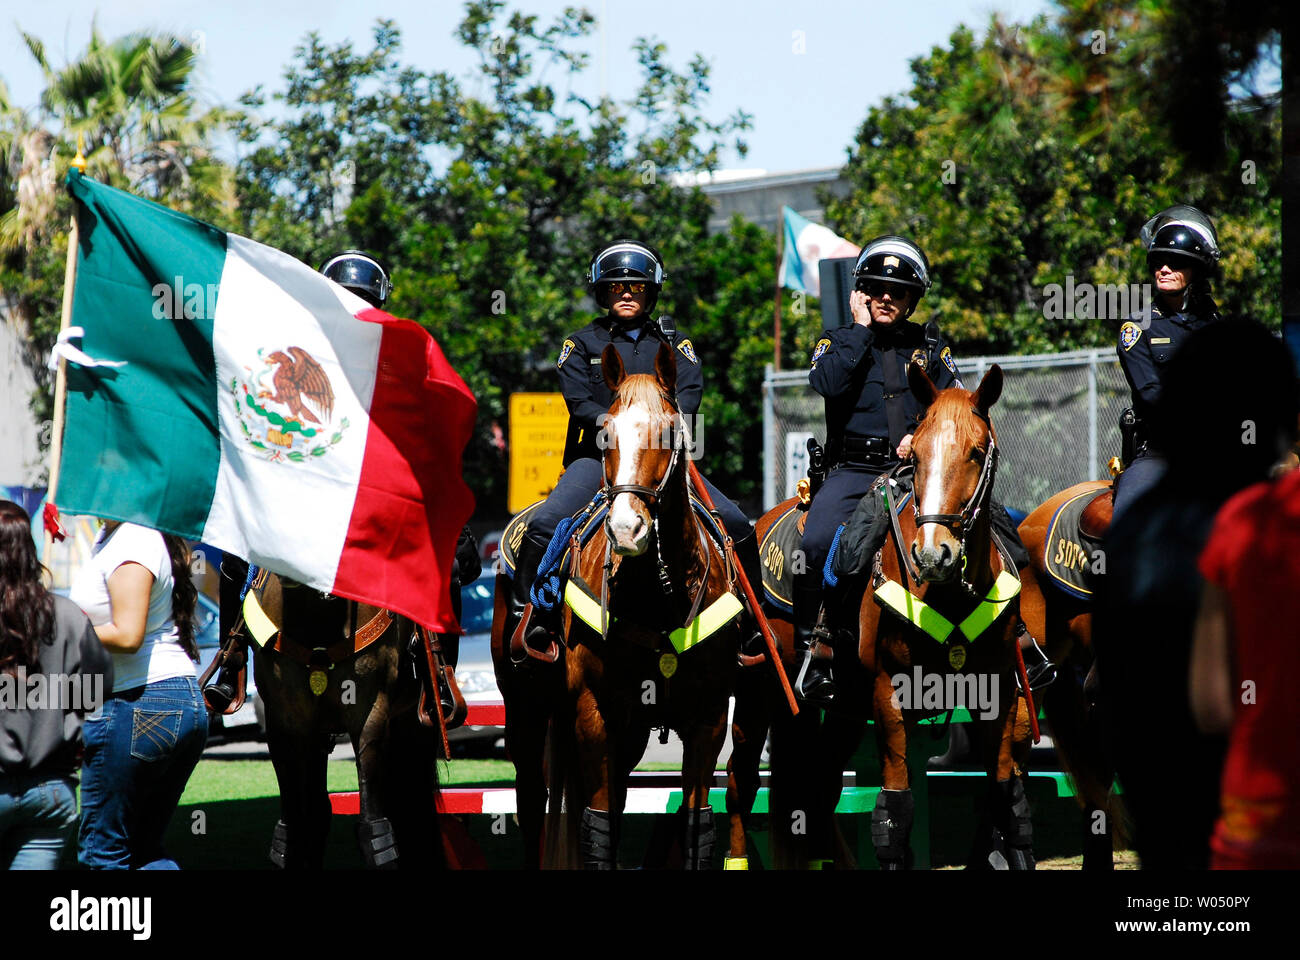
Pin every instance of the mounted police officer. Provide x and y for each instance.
(1182, 250)
(871, 414)
(362, 274)
(624, 278)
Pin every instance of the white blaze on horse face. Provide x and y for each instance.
(942, 443)
(630, 429)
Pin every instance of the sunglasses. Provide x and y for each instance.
(1157, 260)
(617, 288)
(875, 289)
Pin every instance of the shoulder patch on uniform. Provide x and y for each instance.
(1129, 334)
(946, 356)
(822, 347)
(688, 351)
(564, 352)
(919, 357)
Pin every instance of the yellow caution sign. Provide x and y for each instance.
(538, 423)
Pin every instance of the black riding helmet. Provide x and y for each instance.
(361, 274)
(1183, 231)
(896, 260)
(626, 260)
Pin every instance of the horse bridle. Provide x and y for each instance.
(959, 524)
(653, 495)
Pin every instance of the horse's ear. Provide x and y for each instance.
(923, 387)
(666, 369)
(990, 388)
(611, 365)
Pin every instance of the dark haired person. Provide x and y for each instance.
(46, 635)
(144, 744)
(625, 278)
(1147, 602)
(1182, 250)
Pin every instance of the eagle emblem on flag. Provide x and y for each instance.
(291, 417)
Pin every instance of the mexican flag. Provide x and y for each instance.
(806, 244)
(228, 393)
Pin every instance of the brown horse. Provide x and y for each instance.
(944, 556)
(631, 659)
(1064, 623)
(366, 689)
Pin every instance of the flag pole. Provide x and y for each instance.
(776, 322)
(61, 374)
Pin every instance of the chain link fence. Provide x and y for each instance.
(1057, 422)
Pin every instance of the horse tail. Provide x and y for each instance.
(1079, 747)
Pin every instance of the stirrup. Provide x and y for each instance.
(521, 651)
(824, 691)
(1041, 674)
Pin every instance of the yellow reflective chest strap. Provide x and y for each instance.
(930, 621)
(712, 619)
(584, 606)
(260, 627)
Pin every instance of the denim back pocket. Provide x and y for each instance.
(154, 733)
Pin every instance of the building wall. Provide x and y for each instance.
(20, 459)
(759, 199)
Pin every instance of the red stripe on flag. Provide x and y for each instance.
(411, 500)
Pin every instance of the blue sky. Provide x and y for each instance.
(806, 106)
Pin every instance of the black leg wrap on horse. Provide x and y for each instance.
(1015, 824)
(378, 844)
(891, 829)
(698, 853)
(596, 842)
(279, 844)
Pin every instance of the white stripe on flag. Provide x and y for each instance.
(288, 515)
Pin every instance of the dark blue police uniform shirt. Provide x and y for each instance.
(1144, 354)
(847, 369)
(583, 381)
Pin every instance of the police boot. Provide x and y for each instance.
(527, 631)
(812, 648)
(891, 829)
(747, 554)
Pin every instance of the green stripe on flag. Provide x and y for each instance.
(141, 441)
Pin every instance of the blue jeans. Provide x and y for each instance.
(38, 814)
(140, 751)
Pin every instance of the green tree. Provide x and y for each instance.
(487, 208)
(131, 102)
(1037, 153)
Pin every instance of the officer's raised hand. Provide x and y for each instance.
(860, 307)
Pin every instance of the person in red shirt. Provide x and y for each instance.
(1245, 661)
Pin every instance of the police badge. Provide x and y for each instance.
(688, 351)
(564, 352)
(946, 357)
(1129, 334)
(919, 358)
(818, 350)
